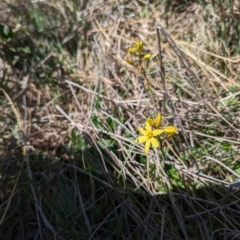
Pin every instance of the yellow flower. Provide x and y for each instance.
(156, 122)
(148, 136)
(170, 130)
(137, 49)
(138, 46)
(147, 56)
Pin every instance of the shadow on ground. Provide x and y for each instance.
(75, 198)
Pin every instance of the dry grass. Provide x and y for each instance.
(71, 105)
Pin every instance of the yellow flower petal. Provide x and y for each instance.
(138, 46)
(157, 132)
(154, 142)
(147, 56)
(170, 129)
(129, 61)
(148, 127)
(170, 135)
(141, 139)
(132, 50)
(147, 146)
(150, 121)
(158, 120)
(142, 131)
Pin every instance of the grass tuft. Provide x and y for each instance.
(71, 105)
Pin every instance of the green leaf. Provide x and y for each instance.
(97, 102)
(5, 30)
(6, 33)
(25, 49)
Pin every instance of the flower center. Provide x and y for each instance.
(150, 134)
